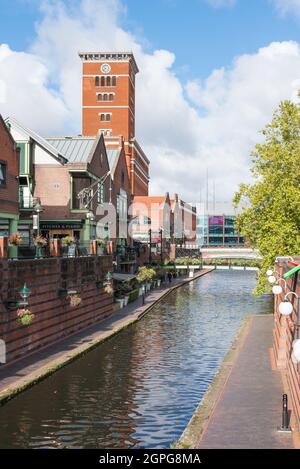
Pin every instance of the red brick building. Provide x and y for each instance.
(9, 186)
(108, 105)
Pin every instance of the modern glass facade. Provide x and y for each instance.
(218, 230)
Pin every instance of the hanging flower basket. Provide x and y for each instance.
(24, 316)
(15, 239)
(108, 289)
(40, 241)
(67, 241)
(75, 300)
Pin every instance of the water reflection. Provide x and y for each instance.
(140, 388)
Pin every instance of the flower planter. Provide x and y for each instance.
(120, 301)
(100, 251)
(71, 250)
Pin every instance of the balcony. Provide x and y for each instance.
(27, 202)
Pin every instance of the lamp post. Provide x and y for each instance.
(90, 218)
(161, 245)
(150, 245)
(24, 293)
(38, 209)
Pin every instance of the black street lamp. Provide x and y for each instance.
(38, 209)
(161, 245)
(150, 245)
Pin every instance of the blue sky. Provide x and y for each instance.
(201, 36)
(210, 78)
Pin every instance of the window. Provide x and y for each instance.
(114, 81)
(102, 81)
(123, 178)
(99, 97)
(2, 173)
(105, 96)
(100, 194)
(96, 81)
(111, 97)
(108, 81)
(104, 117)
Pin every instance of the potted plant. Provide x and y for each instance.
(24, 316)
(69, 242)
(100, 247)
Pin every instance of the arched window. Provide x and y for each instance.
(111, 97)
(102, 117)
(96, 81)
(108, 81)
(102, 81)
(114, 81)
(123, 178)
(99, 97)
(108, 117)
(105, 96)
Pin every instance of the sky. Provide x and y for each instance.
(212, 72)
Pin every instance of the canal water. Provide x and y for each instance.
(140, 388)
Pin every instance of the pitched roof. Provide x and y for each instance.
(37, 138)
(75, 149)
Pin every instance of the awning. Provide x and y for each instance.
(123, 277)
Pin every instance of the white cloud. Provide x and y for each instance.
(221, 3)
(287, 6)
(183, 129)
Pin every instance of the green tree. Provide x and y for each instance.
(270, 216)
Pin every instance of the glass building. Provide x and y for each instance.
(218, 230)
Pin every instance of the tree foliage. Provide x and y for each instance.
(270, 216)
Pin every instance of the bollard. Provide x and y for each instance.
(285, 428)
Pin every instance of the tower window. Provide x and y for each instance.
(96, 81)
(105, 117)
(99, 97)
(105, 96)
(114, 81)
(111, 97)
(102, 81)
(108, 81)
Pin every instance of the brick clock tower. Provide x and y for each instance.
(108, 106)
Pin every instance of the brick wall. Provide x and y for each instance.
(54, 317)
(284, 333)
(9, 199)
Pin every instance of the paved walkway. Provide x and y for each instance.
(20, 375)
(249, 408)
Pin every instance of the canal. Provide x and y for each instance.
(140, 388)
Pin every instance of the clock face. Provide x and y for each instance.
(105, 68)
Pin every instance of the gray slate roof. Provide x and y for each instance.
(113, 157)
(75, 149)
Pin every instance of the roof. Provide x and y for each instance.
(75, 149)
(148, 200)
(38, 139)
(123, 277)
(109, 57)
(113, 155)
